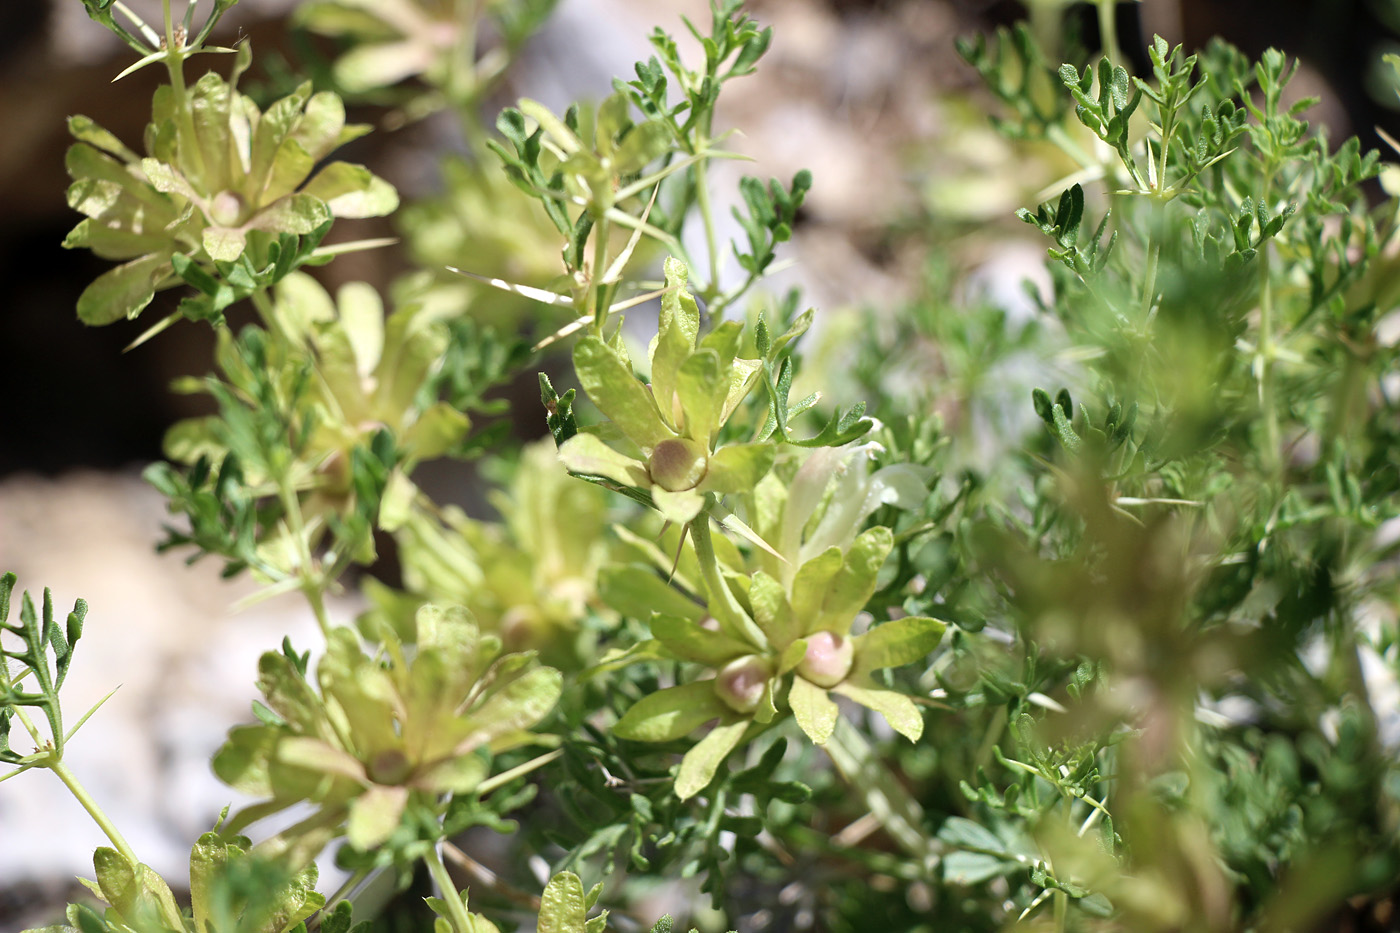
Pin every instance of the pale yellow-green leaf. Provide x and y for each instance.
(611, 385)
(689, 641)
(635, 590)
(854, 583)
(352, 191)
(123, 292)
(671, 713)
(562, 907)
(899, 711)
(224, 244)
(896, 643)
(814, 711)
(737, 468)
(374, 815)
(699, 765)
(587, 454)
(678, 507)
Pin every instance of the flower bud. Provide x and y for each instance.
(226, 209)
(390, 767)
(828, 659)
(678, 464)
(740, 683)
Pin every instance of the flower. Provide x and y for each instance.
(781, 642)
(381, 730)
(530, 580)
(667, 431)
(218, 173)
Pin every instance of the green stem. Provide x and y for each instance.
(1108, 31)
(899, 813)
(505, 777)
(1149, 278)
(597, 290)
(722, 602)
(312, 584)
(80, 793)
(175, 66)
(1265, 368)
(450, 896)
(991, 737)
(702, 200)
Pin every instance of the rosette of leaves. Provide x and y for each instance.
(381, 732)
(393, 40)
(661, 440)
(340, 378)
(755, 633)
(530, 579)
(230, 890)
(219, 174)
(373, 370)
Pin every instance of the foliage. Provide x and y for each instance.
(660, 659)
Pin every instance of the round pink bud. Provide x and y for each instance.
(678, 464)
(390, 767)
(740, 683)
(828, 659)
(226, 209)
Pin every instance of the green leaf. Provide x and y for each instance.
(964, 833)
(671, 713)
(737, 468)
(586, 454)
(123, 292)
(644, 143)
(610, 383)
(136, 892)
(86, 130)
(810, 585)
(296, 213)
(698, 385)
(687, 640)
(897, 643)
(854, 584)
(813, 709)
(968, 868)
(352, 191)
(771, 610)
(563, 137)
(374, 815)
(901, 712)
(224, 244)
(562, 906)
(677, 507)
(699, 765)
(636, 591)
(520, 704)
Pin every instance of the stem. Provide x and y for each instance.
(1265, 368)
(702, 200)
(448, 888)
(505, 777)
(595, 279)
(80, 794)
(722, 602)
(489, 878)
(313, 585)
(1149, 279)
(991, 737)
(899, 813)
(175, 66)
(1108, 30)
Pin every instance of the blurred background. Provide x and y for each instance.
(868, 94)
